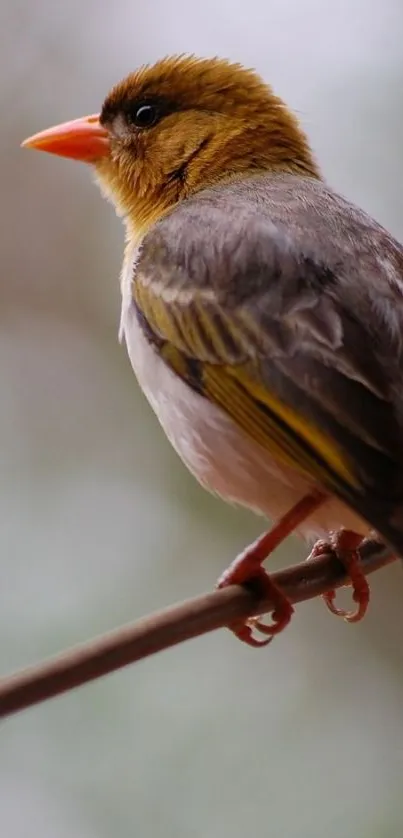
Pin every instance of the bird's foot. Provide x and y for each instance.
(247, 570)
(343, 544)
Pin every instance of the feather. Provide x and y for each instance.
(294, 339)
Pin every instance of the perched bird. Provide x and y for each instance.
(262, 312)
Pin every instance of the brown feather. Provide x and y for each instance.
(220, 121)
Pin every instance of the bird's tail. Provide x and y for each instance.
(387, 522)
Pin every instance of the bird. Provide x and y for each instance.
(261, 310)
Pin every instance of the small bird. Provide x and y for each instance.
(262, 312)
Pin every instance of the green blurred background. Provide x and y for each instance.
(99, 521)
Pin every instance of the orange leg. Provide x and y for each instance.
(343, 544)
(247, 569)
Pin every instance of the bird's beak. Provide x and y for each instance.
(81, 139)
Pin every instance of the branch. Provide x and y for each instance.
(173, 625)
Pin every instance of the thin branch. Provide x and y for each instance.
(173, 625)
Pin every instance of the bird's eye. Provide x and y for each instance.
(143, 116)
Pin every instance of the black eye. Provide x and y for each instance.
(143, 116)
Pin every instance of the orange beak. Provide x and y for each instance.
(81, 139)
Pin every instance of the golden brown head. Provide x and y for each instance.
(178, 126)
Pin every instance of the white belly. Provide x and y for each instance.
(215, 450)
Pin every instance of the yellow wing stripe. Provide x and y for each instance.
(202, 331)
(212, 339)
(240, 397)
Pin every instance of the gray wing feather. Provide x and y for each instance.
(315, 288)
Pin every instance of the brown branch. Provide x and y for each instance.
(173, 625)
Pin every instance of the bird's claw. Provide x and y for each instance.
(244, 632)
(247, 570)
(243, 572)
(343, 544)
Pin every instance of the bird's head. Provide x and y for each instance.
(179, 126)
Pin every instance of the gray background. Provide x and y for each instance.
(99, 521)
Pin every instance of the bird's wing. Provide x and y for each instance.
(304, 357)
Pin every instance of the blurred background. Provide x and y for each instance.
(100, 522)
